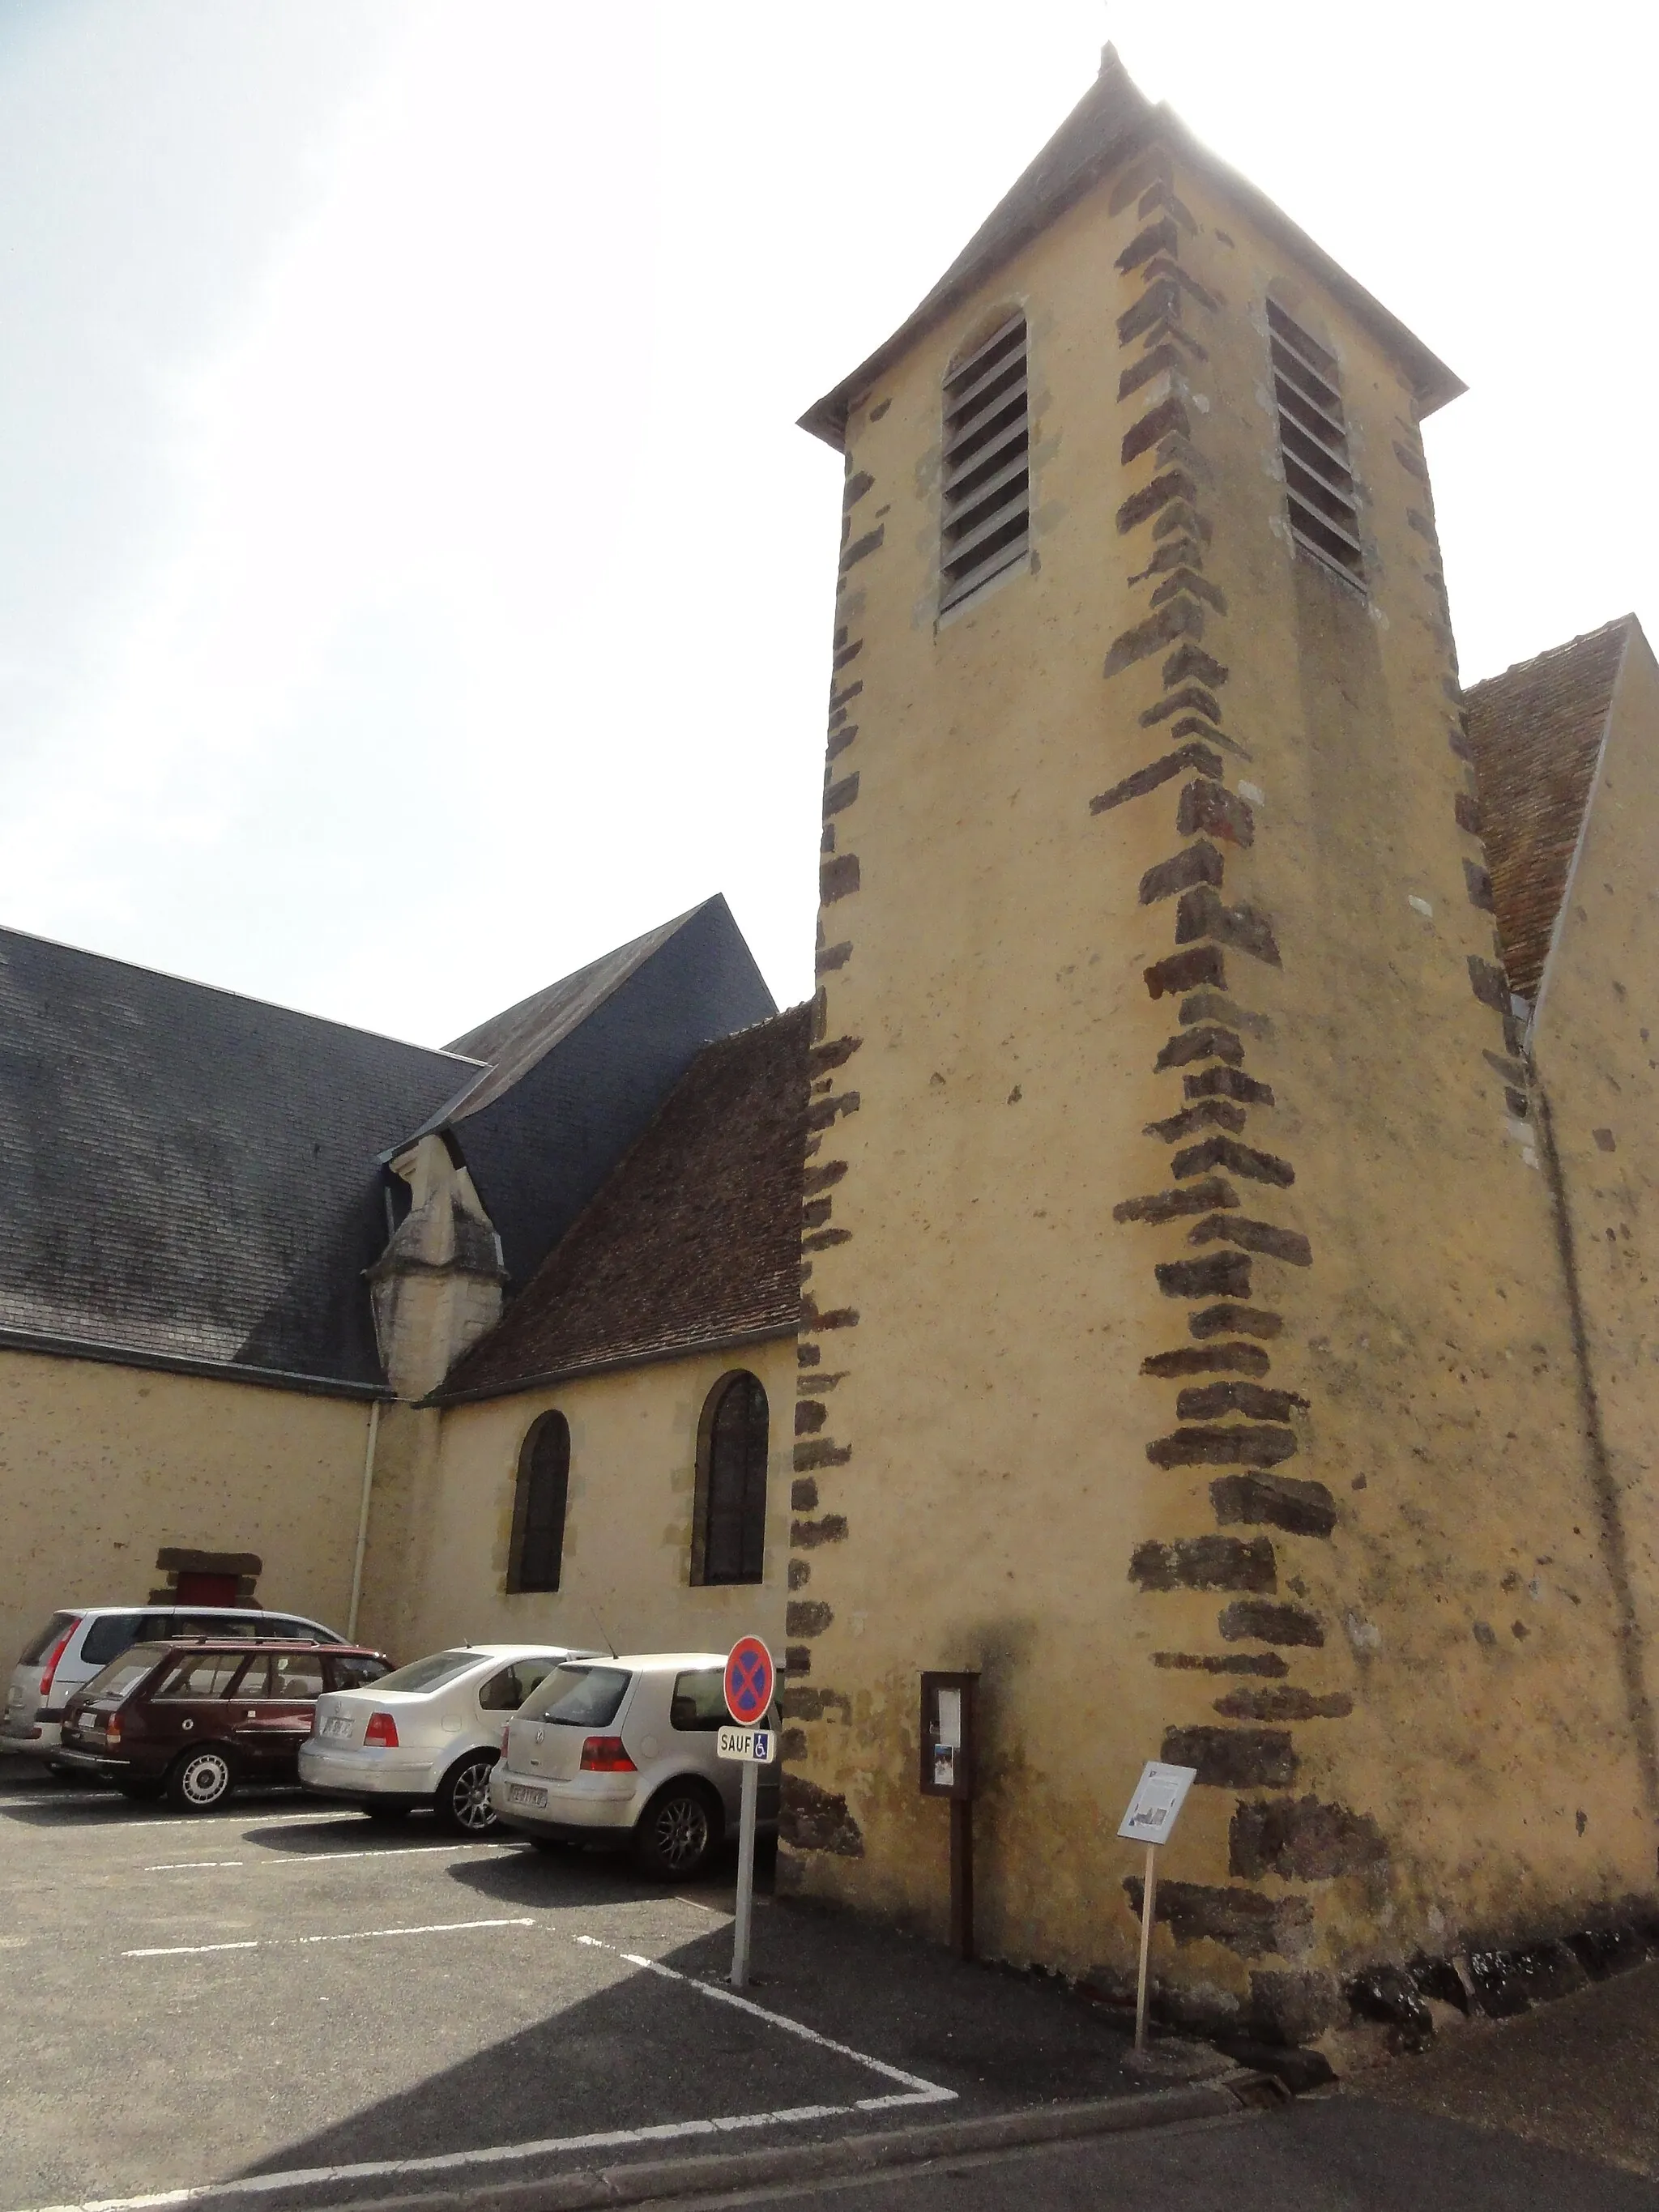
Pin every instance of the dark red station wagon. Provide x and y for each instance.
(192, 1720)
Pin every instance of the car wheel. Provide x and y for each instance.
(462, 1800)
(201, 1779)
(386, 1812)
(677, 1833)
(141, 1793)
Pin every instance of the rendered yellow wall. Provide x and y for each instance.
(442, 1519)
(102, 1466)
(988, 1072)
(1595, 1045)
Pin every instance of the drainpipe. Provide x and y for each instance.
(362, 1522)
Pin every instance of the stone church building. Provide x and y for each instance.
(1189, 1264)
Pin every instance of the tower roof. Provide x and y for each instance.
(1112, 120)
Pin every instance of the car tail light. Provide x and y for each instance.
(381, 1730)
(112, 1729)
(55, 1655)
(506, 1733)
(604, 1754)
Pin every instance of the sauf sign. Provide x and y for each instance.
(750, 1679)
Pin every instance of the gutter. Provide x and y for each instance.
(168, 1363)
(773, 1332)
(1579, 843)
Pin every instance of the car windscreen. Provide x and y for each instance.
(430, 1674)
(581, 1697)
(122, 1675)
(38, 1646)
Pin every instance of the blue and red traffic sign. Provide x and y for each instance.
(749, 1678)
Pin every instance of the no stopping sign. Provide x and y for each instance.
(750, 1676)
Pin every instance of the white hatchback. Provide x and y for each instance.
(427, 1734)
(623, 1751)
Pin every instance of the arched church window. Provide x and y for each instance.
(729, 1538)
(539, 1506)
(985, 524)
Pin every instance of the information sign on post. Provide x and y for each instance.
(750, 1679)
(947, 1739)
(1153, 1811)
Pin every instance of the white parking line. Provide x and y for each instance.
(918, 2092)
(191, 1947)
(110, 1801)
(274, 1862)
(352, 1935)
(915, 2091)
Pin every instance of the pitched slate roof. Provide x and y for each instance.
(191, 1175)
(693, 1242)
(1537, 732)
(576, 1072)
(1112, 120)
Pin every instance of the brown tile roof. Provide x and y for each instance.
(693, 1241)
(1536, 731)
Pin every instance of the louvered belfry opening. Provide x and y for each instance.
(986, 521)
(1313, 444)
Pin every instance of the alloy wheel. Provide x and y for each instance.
(469, 1796)
(681, 1833)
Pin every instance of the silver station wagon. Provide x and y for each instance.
(622, 1750)
(427, 1734)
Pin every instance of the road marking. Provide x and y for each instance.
(434, 1928)
(308, 2177)
(178, 1950)
(918, 2092)
(273, 1864)
(386, 1851)
(914, 2090)
(111, 1802)
(352, 1935)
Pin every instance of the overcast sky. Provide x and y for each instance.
(411, 580)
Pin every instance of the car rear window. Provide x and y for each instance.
(699, 1701)
(583, 1697)
(122, 1675)
(38, 1645)
(430, 1674)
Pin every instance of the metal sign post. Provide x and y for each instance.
(750, 1679)
(1153, 1810)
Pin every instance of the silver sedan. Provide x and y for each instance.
(427, 1734)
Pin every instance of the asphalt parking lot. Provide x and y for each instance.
(287, 1995)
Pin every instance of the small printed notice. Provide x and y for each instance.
(1156, 1806)
(759, 1746)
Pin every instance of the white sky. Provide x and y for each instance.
(411, 580)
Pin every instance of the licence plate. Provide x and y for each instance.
(525, 1793)
(338, 1724)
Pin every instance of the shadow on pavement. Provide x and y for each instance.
(643, 2051)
